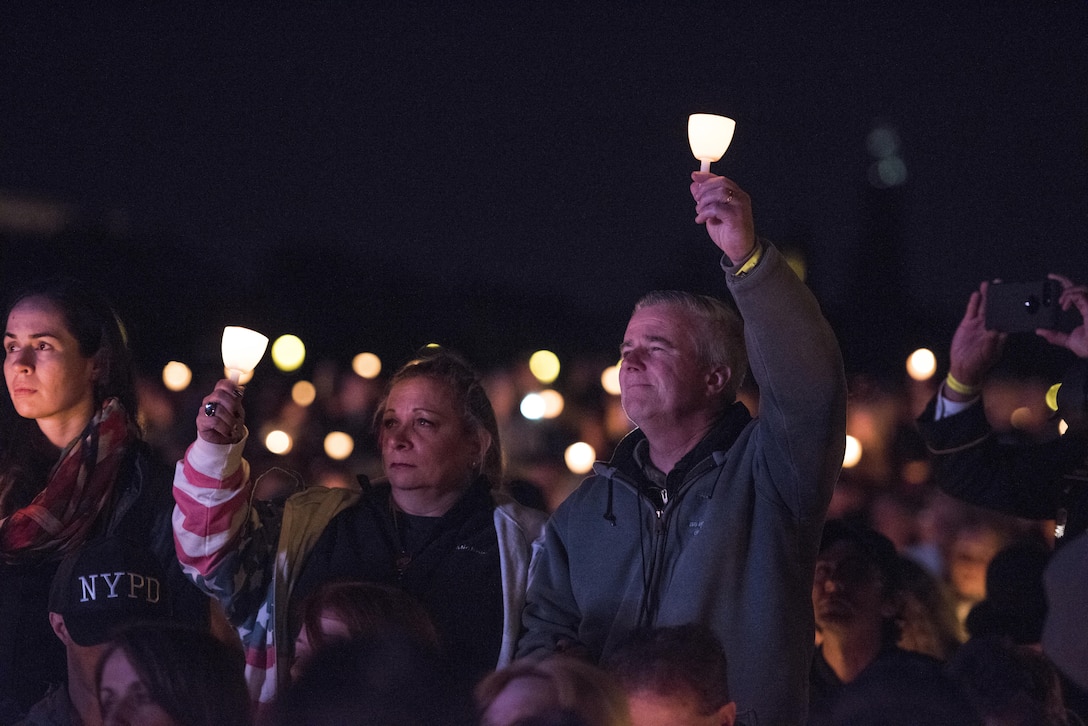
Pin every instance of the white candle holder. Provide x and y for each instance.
(242, 351)
(709, 137)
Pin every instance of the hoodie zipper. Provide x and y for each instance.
(662, 501)
(659, 500)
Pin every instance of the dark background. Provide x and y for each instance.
(502, 177)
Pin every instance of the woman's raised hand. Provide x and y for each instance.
(222, 418)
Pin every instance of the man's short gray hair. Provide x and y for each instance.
(718, 331)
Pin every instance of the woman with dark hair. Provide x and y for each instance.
(170, 675)
(438, 525)
(72, 469)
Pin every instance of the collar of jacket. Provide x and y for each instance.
(709, 452)
(718, 439)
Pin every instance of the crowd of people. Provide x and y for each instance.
(702, 574)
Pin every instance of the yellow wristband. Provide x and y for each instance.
(753, 260)
(961, 388)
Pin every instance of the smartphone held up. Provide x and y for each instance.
(1023, 307)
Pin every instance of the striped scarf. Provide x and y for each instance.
(80, 487)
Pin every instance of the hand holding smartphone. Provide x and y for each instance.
(1023, 307)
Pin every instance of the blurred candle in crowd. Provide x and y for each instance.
(339, 445)
(579, 457)
(278, 442)
(366, 365)
(288, 353)
(610, 380)
(544, 365)
(852, 455)
(533, 406)
(303, 393)
(553, 403)
(921, 364)
(176, 376)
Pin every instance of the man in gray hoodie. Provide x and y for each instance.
(705, 514)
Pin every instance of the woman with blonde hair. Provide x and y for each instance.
(438, 526)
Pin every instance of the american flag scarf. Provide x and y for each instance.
(80, 486)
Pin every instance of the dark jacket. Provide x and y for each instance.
(454, 572)
(55, 709)
(1030, 480)
(898, 687)
(31, 657)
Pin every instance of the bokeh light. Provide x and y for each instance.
(916, 473)
(303, 393)
(852, 456)
(921, 364)
(533, 406)
(339, 445)
(796, 261)
(278, 442)
(882, 142)
(579, 457)
(176, 376)
(366, 365)
(888, 168)
(288, 353)
(1022, 418)
(610, 380)
(544, 365)
(553, 403)
(891, 172)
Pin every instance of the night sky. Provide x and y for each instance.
(504, 176)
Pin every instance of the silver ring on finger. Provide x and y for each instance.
(210, 408)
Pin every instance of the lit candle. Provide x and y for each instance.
(709, 136)
(242, 350)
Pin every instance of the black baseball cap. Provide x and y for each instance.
(107, 583)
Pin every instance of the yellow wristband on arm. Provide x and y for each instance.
(753, 260)
(961, 388)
